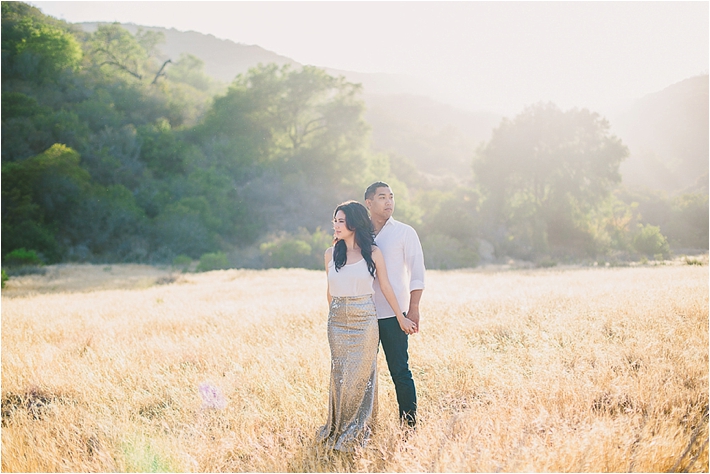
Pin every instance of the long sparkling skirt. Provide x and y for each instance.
(353, 335)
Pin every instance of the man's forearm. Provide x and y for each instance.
(414, 297)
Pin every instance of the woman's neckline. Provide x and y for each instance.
(354, 263)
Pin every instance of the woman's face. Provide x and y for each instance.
(340, 226)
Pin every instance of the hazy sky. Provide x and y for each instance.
(497, 56)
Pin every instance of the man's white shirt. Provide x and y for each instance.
(404, 259)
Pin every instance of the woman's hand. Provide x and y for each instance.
(407, 325)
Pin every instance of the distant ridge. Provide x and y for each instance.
(666, 131)
(225, 59)
(436, 138)
(667, 135)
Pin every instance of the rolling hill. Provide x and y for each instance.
(667, 131)
(667, 135)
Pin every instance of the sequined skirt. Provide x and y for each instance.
(353, 335)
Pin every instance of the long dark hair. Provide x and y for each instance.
(356, 219)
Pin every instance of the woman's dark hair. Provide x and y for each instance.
(356, 219)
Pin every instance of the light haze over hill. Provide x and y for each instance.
(493, 56)
(667, 135)
(225, 59)
(666, 131)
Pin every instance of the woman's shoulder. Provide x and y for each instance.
(328, 258)
(376, 252)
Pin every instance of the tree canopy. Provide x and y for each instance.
(543, 171)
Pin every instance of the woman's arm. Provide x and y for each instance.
(407, 325)
(328, 257)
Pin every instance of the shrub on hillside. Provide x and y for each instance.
(287, 252)
(442, 252)
(302, 250)
(650, 241)
(213, 261)
(21, 256)
(183, 262)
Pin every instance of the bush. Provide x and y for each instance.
(182, 261)
(4, 278)
(303, 250)
(319, 241)
(287, 252)
(650, 241)
(31, 234)
(546, 263)
(213, 261)
(442, 252)
(21, 256)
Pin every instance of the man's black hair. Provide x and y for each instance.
(370, 191)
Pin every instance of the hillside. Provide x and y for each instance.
(436, 138)
(667, 135)
(667, 131)
(224, 59)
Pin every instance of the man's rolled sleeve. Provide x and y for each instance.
(414, 257)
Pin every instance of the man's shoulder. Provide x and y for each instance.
(403, 227)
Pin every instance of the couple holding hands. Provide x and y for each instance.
(375, 272)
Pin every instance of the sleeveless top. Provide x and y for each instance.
(350, 280)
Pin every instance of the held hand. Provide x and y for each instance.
(407, 325)
(413, 314)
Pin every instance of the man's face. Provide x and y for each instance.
(381, 205)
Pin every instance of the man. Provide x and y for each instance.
(404, 259)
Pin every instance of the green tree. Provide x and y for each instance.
(33, 46)
(453, 213)
(442, 252)
(300, 250)
(212, 261)
(189, 90)
(189, 69)
(683, 218)
(162, 150)
(304, 119)
(292, 142)
(542, 172)
(38, 195)
(22, 256)
(112, 46)
(610, 226)
(450, 227)
(688, 226)
(649, 241)
(107, 224)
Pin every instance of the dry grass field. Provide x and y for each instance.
(562, 369)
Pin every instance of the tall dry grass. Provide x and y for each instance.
(530, 370)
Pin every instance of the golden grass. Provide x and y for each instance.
(565, 370)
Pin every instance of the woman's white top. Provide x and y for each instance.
(350, 280)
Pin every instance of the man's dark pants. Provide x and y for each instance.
(395, 343)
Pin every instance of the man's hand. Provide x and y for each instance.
(407, 325)
(413, 315)
(413, 312)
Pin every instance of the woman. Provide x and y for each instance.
(350, 265)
